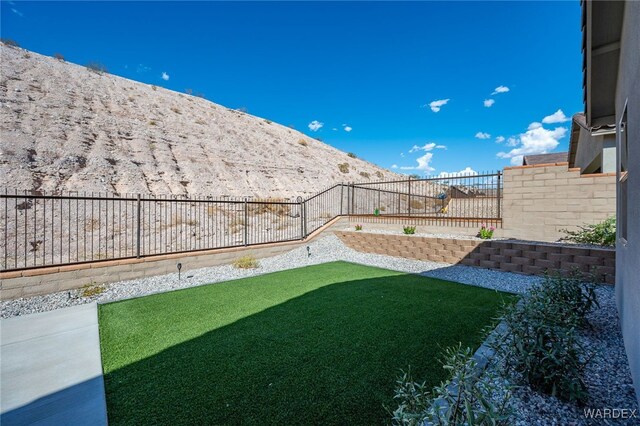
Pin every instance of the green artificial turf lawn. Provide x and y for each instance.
(317, 345)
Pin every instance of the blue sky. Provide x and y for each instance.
(376, 79)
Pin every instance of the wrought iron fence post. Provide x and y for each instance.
(341, 197)
(353, 199)
(409, 200)
(139, 228)
(499, 196)
(246, 223)
(301, 206)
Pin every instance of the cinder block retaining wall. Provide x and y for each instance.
(539, 201)
(523, 257)
(32, 282)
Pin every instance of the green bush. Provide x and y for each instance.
(409, 230)
(467, 397)
(540, 343)
(603, 233)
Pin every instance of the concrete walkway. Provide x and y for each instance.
(50, 369)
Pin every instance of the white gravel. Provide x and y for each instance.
(326, 249)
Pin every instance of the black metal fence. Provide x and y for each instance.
(41, 229)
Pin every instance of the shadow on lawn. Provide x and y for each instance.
(330, 356)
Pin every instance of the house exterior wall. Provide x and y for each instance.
(539, 201)
(628, 254)
(594, 151)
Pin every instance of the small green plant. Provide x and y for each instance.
(9, 42)
(358, 227)
(409, 230)
(467, 397)
(376, 212)
(602, 234)
(59, 57)
(486, 233)
(97, 67)
(246, 262)
(351, 155)
(343, 167)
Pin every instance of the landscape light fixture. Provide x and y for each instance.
(179, 265)
(308, 251)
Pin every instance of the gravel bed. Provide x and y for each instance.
(326, 249)
(607, 376)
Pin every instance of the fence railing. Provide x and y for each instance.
(41, 229)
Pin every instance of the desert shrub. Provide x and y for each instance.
(91, 290)
(379, 175)
(358, 227)
(467, 397)
(365, 175)
(416, 204)
(152, 123)
(188, 91)
(267, 121)
(270, 205)
(303, 142)
(351, 155)
(540, 342)
(97, 67)
(59, 57)
(9, 42)
(343, 167)
(409, 230)
(246, 262)
(176, 110)
(383, 208)
(154, 88)
(603, 233)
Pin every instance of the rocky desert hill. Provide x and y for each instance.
(65, 127)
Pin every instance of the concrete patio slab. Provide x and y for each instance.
(50, 369)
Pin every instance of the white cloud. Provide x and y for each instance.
(468, 171)
(315, 125)
(437, 105)
(500, 89)
(142, 68)
(348, 128)
(423, 163)
(427, 147)
(17, 12)
(489, 102)
(556, 117)
(402, 154)
(165, 76)
(394, 166)
(536, 140)
(483, 135)
(500, 139)
(334, 129)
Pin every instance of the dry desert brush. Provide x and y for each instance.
(246, 262)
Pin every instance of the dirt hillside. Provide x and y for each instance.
(67, 128)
